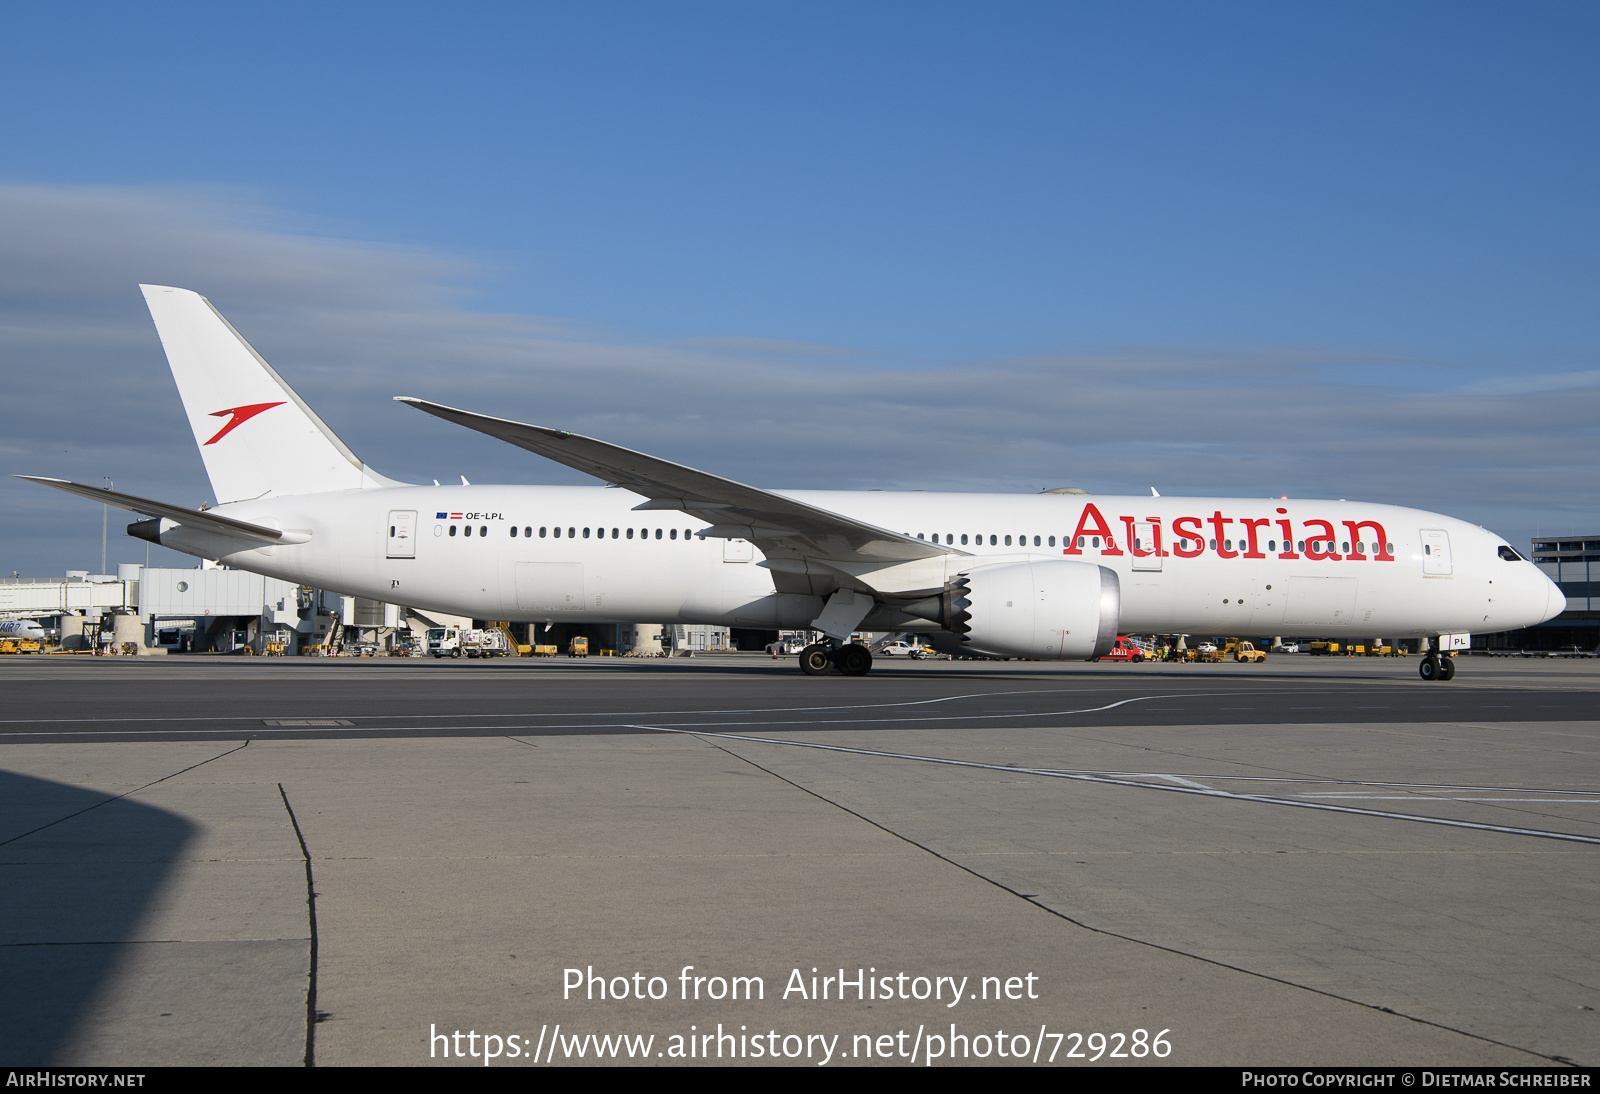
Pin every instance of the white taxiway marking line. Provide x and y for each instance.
(1437, 798)
(545, 727)
(1260, 799)
(823, 708)
(1181, 781)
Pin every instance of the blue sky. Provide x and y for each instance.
(1243, 248)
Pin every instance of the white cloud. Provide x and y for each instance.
(350, 323)
(1537, 382)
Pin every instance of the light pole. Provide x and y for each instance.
(105, 515)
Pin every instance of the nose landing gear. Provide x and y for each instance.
(1436, 666)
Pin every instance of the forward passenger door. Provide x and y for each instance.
(1436, 552)
(1144, 538)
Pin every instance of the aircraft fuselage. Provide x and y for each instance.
(1185, 565)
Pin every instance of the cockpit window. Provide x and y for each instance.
(1509, 553)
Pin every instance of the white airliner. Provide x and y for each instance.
(1053, 576)
(22, 628)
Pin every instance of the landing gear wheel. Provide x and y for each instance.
(815, 659)
(853, 660)
(1447, 668)
(1429, 669)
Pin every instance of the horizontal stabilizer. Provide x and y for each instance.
(189, 518)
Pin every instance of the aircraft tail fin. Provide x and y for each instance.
(256, 436)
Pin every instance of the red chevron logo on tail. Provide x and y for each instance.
(241, 414)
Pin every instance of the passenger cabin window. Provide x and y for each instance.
(452, 529)
(528, 532)
(466, 530)
(994, 541)
(542, 527)
(630, 533)
(658, 533)
(513, 531)
(484, 530)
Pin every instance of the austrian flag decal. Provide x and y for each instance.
(240, 415)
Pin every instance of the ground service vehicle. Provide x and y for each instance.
(1245, 651)
(903, 649)
(454, 641)
(1124, 649)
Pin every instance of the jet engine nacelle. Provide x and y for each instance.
(1055, 610)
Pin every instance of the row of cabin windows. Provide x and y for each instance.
(994, 540)
(572, 533)
(1139, 544)
(1300, 545)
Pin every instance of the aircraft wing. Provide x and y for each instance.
(192, 518)
(780, 526)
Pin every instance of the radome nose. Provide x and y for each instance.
(1556, 603)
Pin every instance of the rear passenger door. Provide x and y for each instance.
(402, 539)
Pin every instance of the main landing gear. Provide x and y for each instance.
(851, 660)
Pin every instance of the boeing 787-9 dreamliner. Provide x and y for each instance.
(1053, 576)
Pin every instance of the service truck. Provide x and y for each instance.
(454, 641)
